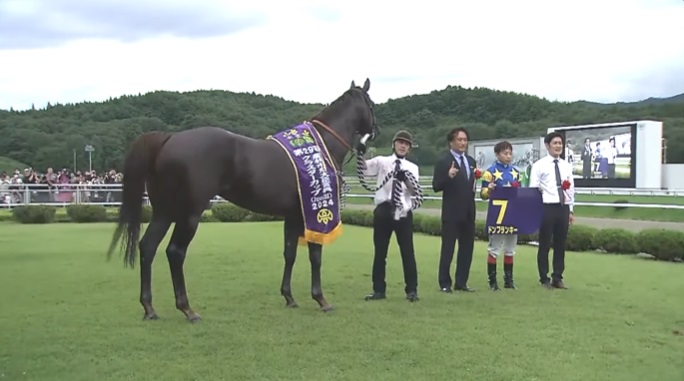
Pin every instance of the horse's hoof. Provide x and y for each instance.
(194, 319)
(152, 316)
(292, 305)
(327, 308)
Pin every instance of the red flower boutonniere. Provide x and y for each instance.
(515, 184)
(566, 184)
(477, 173)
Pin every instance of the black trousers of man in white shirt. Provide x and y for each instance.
(388, 219)
(549, 176)
(384, 225)
(553, 232)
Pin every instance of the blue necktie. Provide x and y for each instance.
(464, 166)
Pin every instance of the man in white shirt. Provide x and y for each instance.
(549, 174)
(569, 154)
(393, 214)
(611, 154)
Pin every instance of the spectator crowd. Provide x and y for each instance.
(64, 186)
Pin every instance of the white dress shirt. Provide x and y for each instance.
(611, 154)
(380, 166)
(543, 176)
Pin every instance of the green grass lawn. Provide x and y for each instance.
(68, 314)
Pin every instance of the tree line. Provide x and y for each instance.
(50, 136)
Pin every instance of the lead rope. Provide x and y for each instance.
(344, 190)
(416, 201)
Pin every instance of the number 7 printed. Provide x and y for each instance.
(502, 211)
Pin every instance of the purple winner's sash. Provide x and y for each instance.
(317, 182)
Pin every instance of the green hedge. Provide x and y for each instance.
(660, 243)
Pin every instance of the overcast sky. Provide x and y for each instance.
(309, 51)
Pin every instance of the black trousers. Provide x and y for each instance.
(464, 231)
(586, 169)
(554, 229)
(383, 227)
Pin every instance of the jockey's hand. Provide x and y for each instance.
(361, 149)
(401, 175)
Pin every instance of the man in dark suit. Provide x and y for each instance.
(454, 177)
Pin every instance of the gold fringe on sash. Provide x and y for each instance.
(321, 238)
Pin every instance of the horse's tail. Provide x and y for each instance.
(138, 166)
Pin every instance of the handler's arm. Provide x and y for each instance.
(372, 167)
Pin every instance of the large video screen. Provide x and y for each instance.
(602, 156)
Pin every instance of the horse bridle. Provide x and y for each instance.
(333, 133)
(375, 131)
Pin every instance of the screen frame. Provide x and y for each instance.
(606, 183)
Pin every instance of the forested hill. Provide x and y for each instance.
(48, 136)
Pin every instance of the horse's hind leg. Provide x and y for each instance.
(316, 257)
(291, 235)
(183, 233)
(148, 249)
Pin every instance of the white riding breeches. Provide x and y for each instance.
(502, 243)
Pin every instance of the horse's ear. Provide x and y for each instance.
(353, 85)
(366, 85)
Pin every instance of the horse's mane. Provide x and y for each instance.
(338, 104)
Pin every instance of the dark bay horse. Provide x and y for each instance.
(183, 171)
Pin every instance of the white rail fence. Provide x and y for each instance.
(110, 195)
(426, 182)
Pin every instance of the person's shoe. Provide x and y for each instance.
(376, 296)
(508, 276)
(446, 290)
(464, 289)
(491, 275)
(508, 283)
(558, 284)
(547, 285)
(412, 297)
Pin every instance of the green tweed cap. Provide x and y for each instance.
(403, 135)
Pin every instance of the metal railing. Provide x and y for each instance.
(426, 183)
(577, 203)
(110, 195)
(59, 194)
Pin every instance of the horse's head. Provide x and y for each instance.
(368, 128)
(349, 115)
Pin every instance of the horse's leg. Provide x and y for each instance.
(148, 249)
(291, 230)
(183, 233)
(315, 257)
